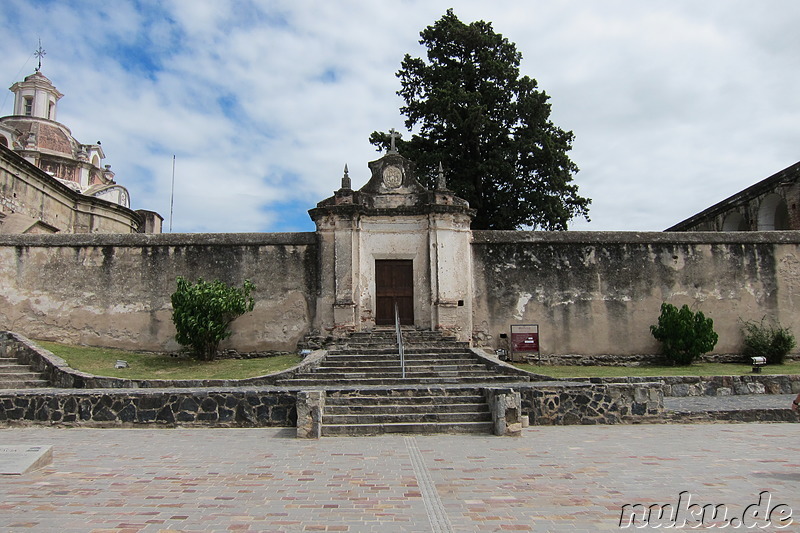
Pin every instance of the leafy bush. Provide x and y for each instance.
(770, 341)
(203, 311)
(684, 334)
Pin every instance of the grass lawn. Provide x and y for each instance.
(100, 362)
(697, 369)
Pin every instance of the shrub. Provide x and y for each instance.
(770, 341)
(684, 334)
(203, 311)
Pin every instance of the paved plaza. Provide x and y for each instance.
(563, 478)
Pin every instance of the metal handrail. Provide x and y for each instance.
(400, 347)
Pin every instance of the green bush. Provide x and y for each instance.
(771, 341)
(684, 334)
(203, 311)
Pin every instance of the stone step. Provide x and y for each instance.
(14, 369)
(424, 417)
(443, 351)
(397, 369)
(14, 375)
(406, 409)
(307, 380)
(396, 372)
(25, 374)
(372, 399)
(24, 384)
(395, 363)
(418, 428)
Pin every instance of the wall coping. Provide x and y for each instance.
(634, 237)
(478, 237)
(160, 239)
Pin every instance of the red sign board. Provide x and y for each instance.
(525, 338)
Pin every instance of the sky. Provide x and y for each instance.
(675, 104)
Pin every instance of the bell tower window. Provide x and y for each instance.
(28, 111)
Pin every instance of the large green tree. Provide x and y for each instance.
(489, 127)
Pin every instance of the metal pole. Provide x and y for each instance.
(172, 194)
(400, 347)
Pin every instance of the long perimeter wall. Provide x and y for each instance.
(596, 293)
(114, 290)
(591, 293)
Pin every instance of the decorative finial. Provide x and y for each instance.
(40, 53)
(346, 184)
(441, 183)
(394, 135)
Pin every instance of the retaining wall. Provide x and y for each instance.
(563, 403)
(241, 407)
(114, 290)
(715, 385)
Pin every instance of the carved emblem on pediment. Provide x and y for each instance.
(392, 176)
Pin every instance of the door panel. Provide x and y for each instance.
(394, 284)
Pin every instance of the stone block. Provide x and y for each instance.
(506, 408)
(310, 405)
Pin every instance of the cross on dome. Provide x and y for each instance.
(40, 53)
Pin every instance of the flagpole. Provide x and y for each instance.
(172, 195)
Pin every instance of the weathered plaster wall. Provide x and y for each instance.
(591, 293)
(598, 292)
(114, 290)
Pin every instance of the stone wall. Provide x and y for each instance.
(597, 293)
(240, 407)
(592, 294)
(27, 190)
(114, 290)
(681, 386)
(563, 403)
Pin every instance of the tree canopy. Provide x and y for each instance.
(489, 127)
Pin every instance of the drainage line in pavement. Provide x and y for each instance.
(430, 497)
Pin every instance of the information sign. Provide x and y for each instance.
(524, 339)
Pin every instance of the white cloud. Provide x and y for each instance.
(675, 105)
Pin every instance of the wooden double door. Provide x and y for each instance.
(394, 284)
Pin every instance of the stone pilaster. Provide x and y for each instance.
(309, 414)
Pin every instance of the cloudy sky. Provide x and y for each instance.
(675, 104)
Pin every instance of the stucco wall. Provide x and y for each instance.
(598, 292)
(114, 290)
(592, 293)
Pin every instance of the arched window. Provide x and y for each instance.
(773, 213)
(734, 222)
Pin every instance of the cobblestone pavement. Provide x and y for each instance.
(564, 478)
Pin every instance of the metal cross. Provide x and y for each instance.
(40, 53)
(394, 135)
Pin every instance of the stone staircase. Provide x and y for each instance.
(420, 411)
(371, 358)
(366, 393)
(14, 375)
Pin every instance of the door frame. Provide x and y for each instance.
(407, 314)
